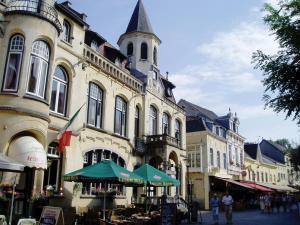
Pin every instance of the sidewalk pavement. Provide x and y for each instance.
(254, 218)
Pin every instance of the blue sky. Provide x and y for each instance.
(207, 48)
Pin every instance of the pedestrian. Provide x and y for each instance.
(262, 203)
(284, 202)
(215, 203)
(289, 202)
(277, 202)
(228, 201)
(267, 199)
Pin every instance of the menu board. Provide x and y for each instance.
(52, 216)
(168, 214)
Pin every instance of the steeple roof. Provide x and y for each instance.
(139, 21)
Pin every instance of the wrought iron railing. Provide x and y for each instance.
(164, 139)
(35, 7)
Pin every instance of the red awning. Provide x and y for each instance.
(257, 186)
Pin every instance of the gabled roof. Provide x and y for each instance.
(272, 151)
(139, 21)
(194, 110)
(251, 150)
(195, 125)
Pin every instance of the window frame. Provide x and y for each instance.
(178, 130)
(166, 120)
(98, 110)
(144, 51)
(67, 37)
(211, 155)
(155, 61)
(60, 83)
(137, 118)
(42, 60)
(130, 44)
(123, 112)
(218, 159)
(9, 52)
(153, 124)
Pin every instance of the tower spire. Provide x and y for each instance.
(139, 21)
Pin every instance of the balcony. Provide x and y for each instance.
(164, 139)
(38, 8)
(140, 146)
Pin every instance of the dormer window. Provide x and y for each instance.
(130, 49)
(94, 45)
(144, 51)
(66, 31)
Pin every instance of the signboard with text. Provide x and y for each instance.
(52, 216)
(168, 214)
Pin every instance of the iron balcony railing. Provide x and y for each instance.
(38, 8)
(164, 139)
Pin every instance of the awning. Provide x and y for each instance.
(257, 186)
(236, 183)
(8, 164)
(279, 187)
(28, 151)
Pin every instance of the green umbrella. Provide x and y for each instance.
(108, 172)
(155, 177)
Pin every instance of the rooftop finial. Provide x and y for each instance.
(167, 75)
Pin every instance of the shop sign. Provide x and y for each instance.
(168, 214)
(52, 216)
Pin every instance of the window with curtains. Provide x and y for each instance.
(155, 56)
(95, 106)
(66, 31)
(59, 91)
(13, 63)
(130, 49)
(166, 124)
(211, 157)
(120, 116)
(144, 51)
(178, 130)
(38, 72)
(153, 120)
(218, 159)
(96, 156)
(137, 122)
(53, 173)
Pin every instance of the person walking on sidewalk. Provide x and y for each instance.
(228, 201)
(215, 203)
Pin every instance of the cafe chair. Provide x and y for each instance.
(2, 220)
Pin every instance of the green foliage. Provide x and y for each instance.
(295, 158)
(282, 71)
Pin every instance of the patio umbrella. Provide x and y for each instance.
(155, 177)
(108, 172)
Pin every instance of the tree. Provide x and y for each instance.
(294, 155)
(282, 71)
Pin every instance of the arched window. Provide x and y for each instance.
(177, 130)
(218, 159)
(66, 31)
(144, 51)
(153, 120)
(52, 174)
(38, 72)
(130, 49)
(13, 63)
(59, 91)
(211, 157)
(95, 105)
(137, 122)
(120, 116)
(155, 56)
(166, 124)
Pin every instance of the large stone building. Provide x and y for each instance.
(214, 148)
(51, 64)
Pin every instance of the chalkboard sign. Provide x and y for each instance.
(52, 216)
(168, 214)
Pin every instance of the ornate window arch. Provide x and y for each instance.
(38, 72)
(59, 91)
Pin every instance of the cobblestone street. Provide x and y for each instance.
(255, 218)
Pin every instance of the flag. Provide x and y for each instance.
(65, 134)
